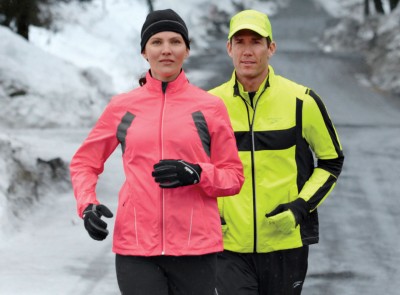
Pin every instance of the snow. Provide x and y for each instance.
(67, 97)
(375, 36)
(54, 87)
(93, 35)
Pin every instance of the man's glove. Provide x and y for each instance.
(175, 173)
(96, 227)
(287, 216)
(223, 225)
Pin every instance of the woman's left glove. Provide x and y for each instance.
(175, 173)
(96, 227)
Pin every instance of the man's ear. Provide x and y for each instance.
(229, 48)
(272, 49)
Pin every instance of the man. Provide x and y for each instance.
(280, 127)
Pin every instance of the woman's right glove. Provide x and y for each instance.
(175, 173)
(96, 227)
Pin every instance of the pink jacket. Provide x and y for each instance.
(184, 122)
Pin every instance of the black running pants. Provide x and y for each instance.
(166, 275)
(275, 273)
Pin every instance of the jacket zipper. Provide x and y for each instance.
(253, 170)
(164, 88)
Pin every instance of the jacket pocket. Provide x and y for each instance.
(126, 222)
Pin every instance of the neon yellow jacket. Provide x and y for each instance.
(279, 133)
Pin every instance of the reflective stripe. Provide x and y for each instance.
(266, 140)
(202, 130)
(304, 157)
(321, 193)
(122, 129)
(327, 121)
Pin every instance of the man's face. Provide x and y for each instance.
(250, 54)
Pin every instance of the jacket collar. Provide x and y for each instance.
(238, 89)
(173, 86)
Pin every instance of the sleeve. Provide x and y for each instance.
(223, 175)
(321, 135)
(88, 162)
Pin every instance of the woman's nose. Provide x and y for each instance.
(166, 48)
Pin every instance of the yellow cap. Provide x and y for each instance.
(250, 20)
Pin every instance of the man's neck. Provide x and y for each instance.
(252, 84)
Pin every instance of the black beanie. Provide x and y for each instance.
(161, 21)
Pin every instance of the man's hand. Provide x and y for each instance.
(96, 227)
(287, 216)
(284, 222)
(176, 173)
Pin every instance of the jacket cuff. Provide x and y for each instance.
(300, 209)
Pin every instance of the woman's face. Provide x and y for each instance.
(165, 52)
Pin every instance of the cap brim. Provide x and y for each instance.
(251, 27)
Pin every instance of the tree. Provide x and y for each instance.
(150, 5)
(379, 6)
(366, 7)
(18, 15)
(393, 4)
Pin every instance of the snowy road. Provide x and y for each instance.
(358, 251)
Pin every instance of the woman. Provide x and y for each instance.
(179, 155)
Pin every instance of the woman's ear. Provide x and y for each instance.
(144, 55)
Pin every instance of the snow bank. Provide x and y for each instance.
(376, 36)
(384, 56)
(25, 179)
(40, 90)
(102, 33)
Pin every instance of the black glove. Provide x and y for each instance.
(223, 222)
(299, 208)
(96, 227)
(175, 173)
